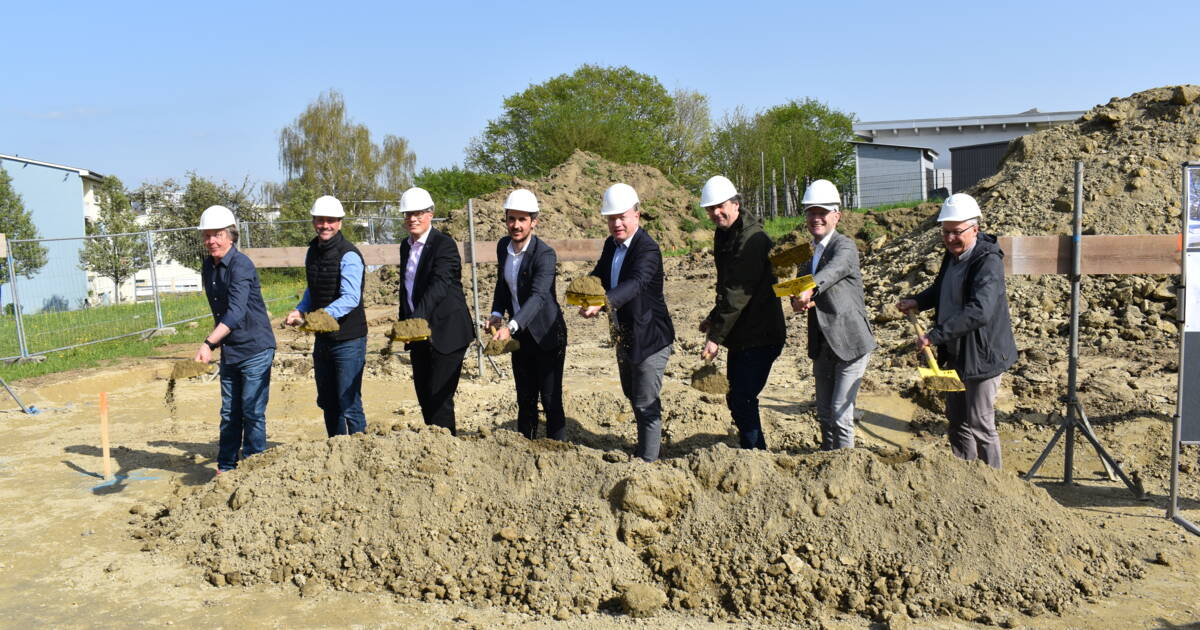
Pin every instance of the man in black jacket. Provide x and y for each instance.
(973, 332)
(747, 317)
(431, 289)
(334, 269)
(630, 270)
(525, 291)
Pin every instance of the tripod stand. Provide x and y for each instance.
(1074, 417)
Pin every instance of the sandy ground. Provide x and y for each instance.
(69, 556)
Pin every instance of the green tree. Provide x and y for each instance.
(689, 138)
(117, 258)
(17, 223)
(172, 207)
(452, 187)
(618, 113)
(809, 137)
(332, 155)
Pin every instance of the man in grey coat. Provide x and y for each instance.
(839, 334)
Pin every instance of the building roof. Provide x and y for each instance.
(1030, 117)
(896, 146)
(83, 172)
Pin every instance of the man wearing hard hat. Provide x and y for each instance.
(242, 332)
(334, 269)
(747, 318)
(631, 271)
(972, 329)
(525, 291)
(432, 290)
(840, 340)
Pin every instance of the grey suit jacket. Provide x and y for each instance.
(839, 315)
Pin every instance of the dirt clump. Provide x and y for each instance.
(410, 330)
(497, 346)
(180, 370)
(569, 198)
(710, 380)
(587, 285)
(319, 321)
(558, 530)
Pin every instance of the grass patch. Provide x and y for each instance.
(776, 228)
(121, 319)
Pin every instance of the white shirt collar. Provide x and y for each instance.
(512, 252)
(424, 237)
(627, 241)
(828, 237)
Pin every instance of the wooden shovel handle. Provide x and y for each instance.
(912, 318)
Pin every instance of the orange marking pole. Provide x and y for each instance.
(104, 435)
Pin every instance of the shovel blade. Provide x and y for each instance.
(941, 380)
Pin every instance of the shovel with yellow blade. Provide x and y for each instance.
(933, 377)
(795, 286)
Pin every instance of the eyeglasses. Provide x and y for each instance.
(958, 232)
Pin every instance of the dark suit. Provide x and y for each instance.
(438, 298)
(840, 340)
(644, 332)
(542, 333)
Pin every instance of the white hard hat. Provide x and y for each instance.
(327, 206)
(959, 207)
(415, 199)
(522, 200)
(717, 190)
(216, 218)
(618, 199)
(822, 193)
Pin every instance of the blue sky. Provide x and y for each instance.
(151, 90)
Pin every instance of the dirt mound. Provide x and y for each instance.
(1131, 149)
(569, 201)
(556, 529)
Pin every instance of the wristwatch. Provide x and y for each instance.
(211, 345)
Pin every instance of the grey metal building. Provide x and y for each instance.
(886, 174)
(970, 164)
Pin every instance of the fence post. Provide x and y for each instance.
(153, 280)
(474, 281)
(245, 235)
(16, 300)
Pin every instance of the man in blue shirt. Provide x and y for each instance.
(243, 332)
(334, 268)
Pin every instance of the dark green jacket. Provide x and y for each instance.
(747, 313)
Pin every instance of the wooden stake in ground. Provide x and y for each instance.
(104, 434)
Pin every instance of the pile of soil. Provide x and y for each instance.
(495, 346)
(408, 329)
(569, 201)
(319, 321)
(1131, 149)
(559, 529)
(588, 285)
(710, 380)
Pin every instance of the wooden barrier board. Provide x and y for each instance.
(1024, 255)
(568, 249)
(1128, 254)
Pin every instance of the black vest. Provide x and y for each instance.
(322, 265)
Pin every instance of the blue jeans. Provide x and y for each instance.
(245, 387)
(338, 368)
(748, 372)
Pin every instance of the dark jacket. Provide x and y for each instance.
(642, 320)
(978, 341)
(235, 299)
(747, 313)
(437, 293)
(540, 314)
(839, 317)
(322, 268)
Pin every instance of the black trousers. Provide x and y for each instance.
(435, 377)
(539, 372)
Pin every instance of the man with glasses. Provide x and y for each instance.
(432, 290)
(840, 340)
(334, 270)
(972, 329)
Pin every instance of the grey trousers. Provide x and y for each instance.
(972, 416)
(837, 384)
(641, 383)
